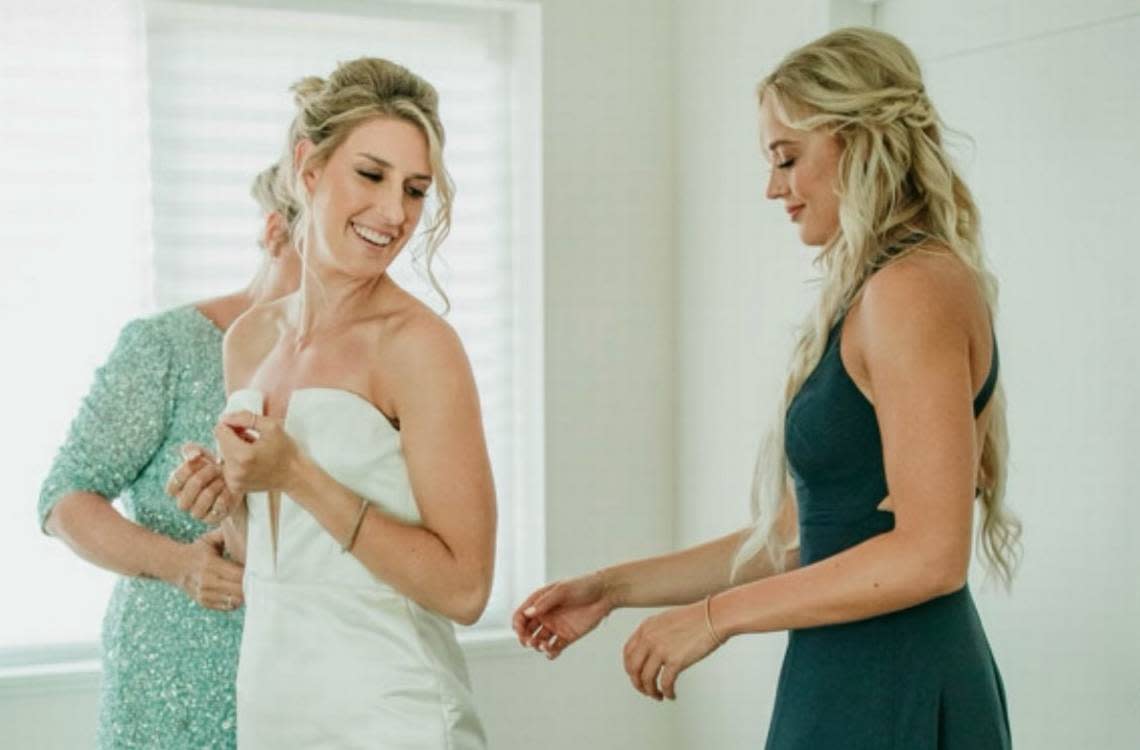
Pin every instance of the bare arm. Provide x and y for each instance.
(917, 354)
(916, 336)
(568, 610)
(692, 574)
(444, 563)
(98, 533)
(120, 426)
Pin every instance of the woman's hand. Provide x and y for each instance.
(199, 487)
(560, 613)
(208, 577)
(257, 453)
(664, 646)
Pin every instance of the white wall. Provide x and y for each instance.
(663, 257)
(609, 335)
(741, 291)
(49, 713)
(608, 203)
(1049, 92)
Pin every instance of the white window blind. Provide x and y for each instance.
(219, 105)
(134, 131)
(75, 236)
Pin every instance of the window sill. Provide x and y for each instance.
(490, 643)
(83, 674)
(58, 677)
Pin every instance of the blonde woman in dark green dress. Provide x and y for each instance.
(173, 625)
(890, 434)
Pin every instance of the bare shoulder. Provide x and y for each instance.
(925, 292)
(420, 340)
(248, 340)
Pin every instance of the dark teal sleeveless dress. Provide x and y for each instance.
(919, 679)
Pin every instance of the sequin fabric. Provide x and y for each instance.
(169, 665)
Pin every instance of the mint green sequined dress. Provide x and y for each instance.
(169, 665)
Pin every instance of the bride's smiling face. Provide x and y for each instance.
(366, 200)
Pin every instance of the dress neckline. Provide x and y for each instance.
(981, 398)
(203, 317)
(350, 396)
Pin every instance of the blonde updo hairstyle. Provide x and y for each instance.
(358, 91)
(898, 192)
(272, 192)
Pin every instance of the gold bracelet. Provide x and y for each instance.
(708, 620)
(355, 527)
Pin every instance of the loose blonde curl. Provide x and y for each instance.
(272, 192)
(358, 91)
(897, 191)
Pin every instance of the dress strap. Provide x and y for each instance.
(987, 390)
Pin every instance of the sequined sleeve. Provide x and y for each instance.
(121, 422)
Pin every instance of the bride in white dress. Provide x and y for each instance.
(353, 431)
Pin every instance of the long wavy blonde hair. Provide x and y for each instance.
(897, 191)
(357, 91)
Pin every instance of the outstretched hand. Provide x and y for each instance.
(665, 645)
(561, 613)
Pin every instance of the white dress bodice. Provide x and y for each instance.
(332, 656)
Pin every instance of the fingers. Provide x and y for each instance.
(209, 498)
(193, 451)
(235, 452)
(551, 646)
(230, 572)
(246, 460)
(647, 677)
(178, 478)
(548, 599)
(228, 441)
(218, 581)
(247, 425)
(537, 634)
(220, 595)
(223, 504)
(556, 645)
(194, 456)
(243, 419)
(538, 629)
(190, 496)
(635, 655)
(645, 665)
(668, 681)
(522, 622)
(216, 567)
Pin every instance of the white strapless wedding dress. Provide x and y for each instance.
(331, 656)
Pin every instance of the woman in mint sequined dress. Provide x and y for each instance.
(173, 625)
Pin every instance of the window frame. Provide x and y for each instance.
(76, 666)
